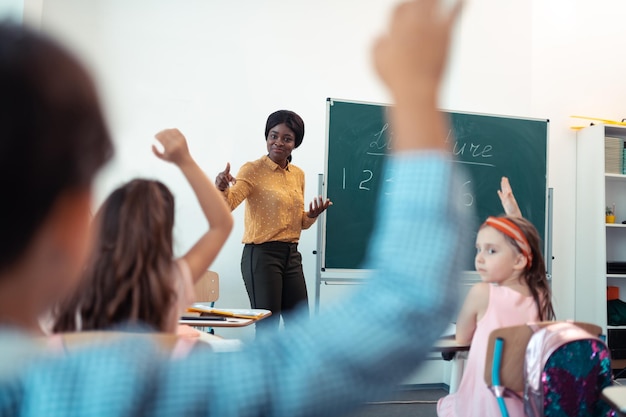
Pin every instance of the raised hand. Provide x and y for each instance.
(212, 203)
(175, 148)
(318, 206)
(509, 204)
(224, 179)
(411, 57)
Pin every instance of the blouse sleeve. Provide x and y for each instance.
(242, 188)
(306, 220)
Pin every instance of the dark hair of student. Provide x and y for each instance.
(53, 137)
(535, 277)
(291, 119)
(128, 278)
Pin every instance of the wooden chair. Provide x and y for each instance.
(207, 288)
(514, 350)
(506, 352)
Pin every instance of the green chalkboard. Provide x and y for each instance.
(488, 146)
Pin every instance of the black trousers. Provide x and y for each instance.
(274, 280)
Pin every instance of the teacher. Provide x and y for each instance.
(273, 188)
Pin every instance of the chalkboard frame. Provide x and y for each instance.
(355, 274)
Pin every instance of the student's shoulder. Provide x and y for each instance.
(481, 286)
(480, 291)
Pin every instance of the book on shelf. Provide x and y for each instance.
(624, 159)
(613, 155)
(617, 268)
(240, 313)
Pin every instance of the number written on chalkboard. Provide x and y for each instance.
(484, 148)
(468, 198)
(367, 176)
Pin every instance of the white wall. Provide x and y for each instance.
(12, 10)
(577, 70)
(217, 69)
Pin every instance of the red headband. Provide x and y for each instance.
(511, 230)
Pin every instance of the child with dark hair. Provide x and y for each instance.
(273, 189)
(132, 276)
(53, 142)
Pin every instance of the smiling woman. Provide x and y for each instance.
(274, 218)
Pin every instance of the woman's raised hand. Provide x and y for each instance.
(224, 179)
(175, 148)
(317, 206)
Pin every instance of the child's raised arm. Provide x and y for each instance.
(413, 79)
(217, 213)
(509, 204)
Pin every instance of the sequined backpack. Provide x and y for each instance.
(565, 370)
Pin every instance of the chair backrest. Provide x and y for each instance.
(514, 351)
(207, 288)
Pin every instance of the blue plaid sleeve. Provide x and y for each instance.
(355, 351)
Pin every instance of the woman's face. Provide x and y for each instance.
(280, 142)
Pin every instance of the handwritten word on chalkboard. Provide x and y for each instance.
(489, 147)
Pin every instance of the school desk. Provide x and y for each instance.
(616, 397)
(456, 353)
(203, 321)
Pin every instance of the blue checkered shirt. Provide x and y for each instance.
(350, 353)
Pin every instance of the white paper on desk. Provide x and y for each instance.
(206, 307)
(450, 330)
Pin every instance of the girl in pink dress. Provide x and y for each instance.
(514, 291)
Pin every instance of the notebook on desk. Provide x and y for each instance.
(616, 397)
(449, 331)
(241, 313)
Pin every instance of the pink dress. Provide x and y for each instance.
(506, 308)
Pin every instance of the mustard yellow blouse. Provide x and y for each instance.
(274, 201)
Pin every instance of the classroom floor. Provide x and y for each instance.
(418, 402)
(404, 403)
